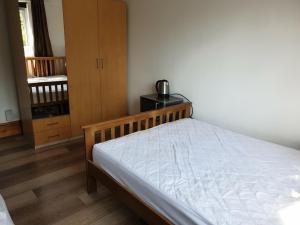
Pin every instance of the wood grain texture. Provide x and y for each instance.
(40, 125)
(7, 144)
(24, 160)
(49, 188)
(45, 179)
(51, 129)
(21, 200)
(96, 52)
(45, 66)
(82, 52)
(91, 213)
(10, 129)
(37, 168)
(113, 53)
(52, 136)
(8, 157)
(117, 217)
(89, 199)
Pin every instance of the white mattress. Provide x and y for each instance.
(35, 80)
(196, 173)
(4, 215)
(56, 78)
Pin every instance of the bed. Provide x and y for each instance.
(190, 172)
(48, 90)
(48, 86)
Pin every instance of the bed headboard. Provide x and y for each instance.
(120, 127)
(45, 66)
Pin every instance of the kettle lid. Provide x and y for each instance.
(162, 81)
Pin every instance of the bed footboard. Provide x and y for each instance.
(104, 131)
(48, 93)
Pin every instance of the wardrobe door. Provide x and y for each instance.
(113, 53)
(82, 53)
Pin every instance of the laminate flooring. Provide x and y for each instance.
(49, 188)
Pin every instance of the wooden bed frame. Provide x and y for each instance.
(47, 67)
(102, 132)
(53, 88)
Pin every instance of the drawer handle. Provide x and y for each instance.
(52, 124)
(54, 136)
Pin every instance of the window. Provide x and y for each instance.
(24, 26)
(24, 11)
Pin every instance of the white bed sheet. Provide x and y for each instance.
(56, 78)
(5, 218)
(35, 80)
(196, 173)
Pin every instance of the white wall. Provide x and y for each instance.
(55, 22)
(8, 96)
(237, 60)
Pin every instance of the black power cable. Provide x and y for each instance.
(192, 113)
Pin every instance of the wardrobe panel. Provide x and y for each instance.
(82, 53)
(113, 52)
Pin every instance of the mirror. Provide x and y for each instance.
(44, 47)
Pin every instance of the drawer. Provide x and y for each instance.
(53, 135)
(10, 129)
(50, 123)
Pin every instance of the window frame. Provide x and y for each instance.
(25, 9)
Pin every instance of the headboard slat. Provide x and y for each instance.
(142, 119)
(126, 124)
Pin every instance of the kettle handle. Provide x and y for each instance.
(156, 86)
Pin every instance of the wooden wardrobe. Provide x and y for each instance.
(96, 54)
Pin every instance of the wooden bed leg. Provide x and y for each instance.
(91, 182)
(91, 185)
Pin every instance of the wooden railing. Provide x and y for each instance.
(120, 127)
(46, 66)
(48, 93)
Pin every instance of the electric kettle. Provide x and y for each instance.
(162, 88)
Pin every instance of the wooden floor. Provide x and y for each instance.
(49, 188)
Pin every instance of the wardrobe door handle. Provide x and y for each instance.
(97, 62)
(52, 124)
(54, 136)
(102, 63)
